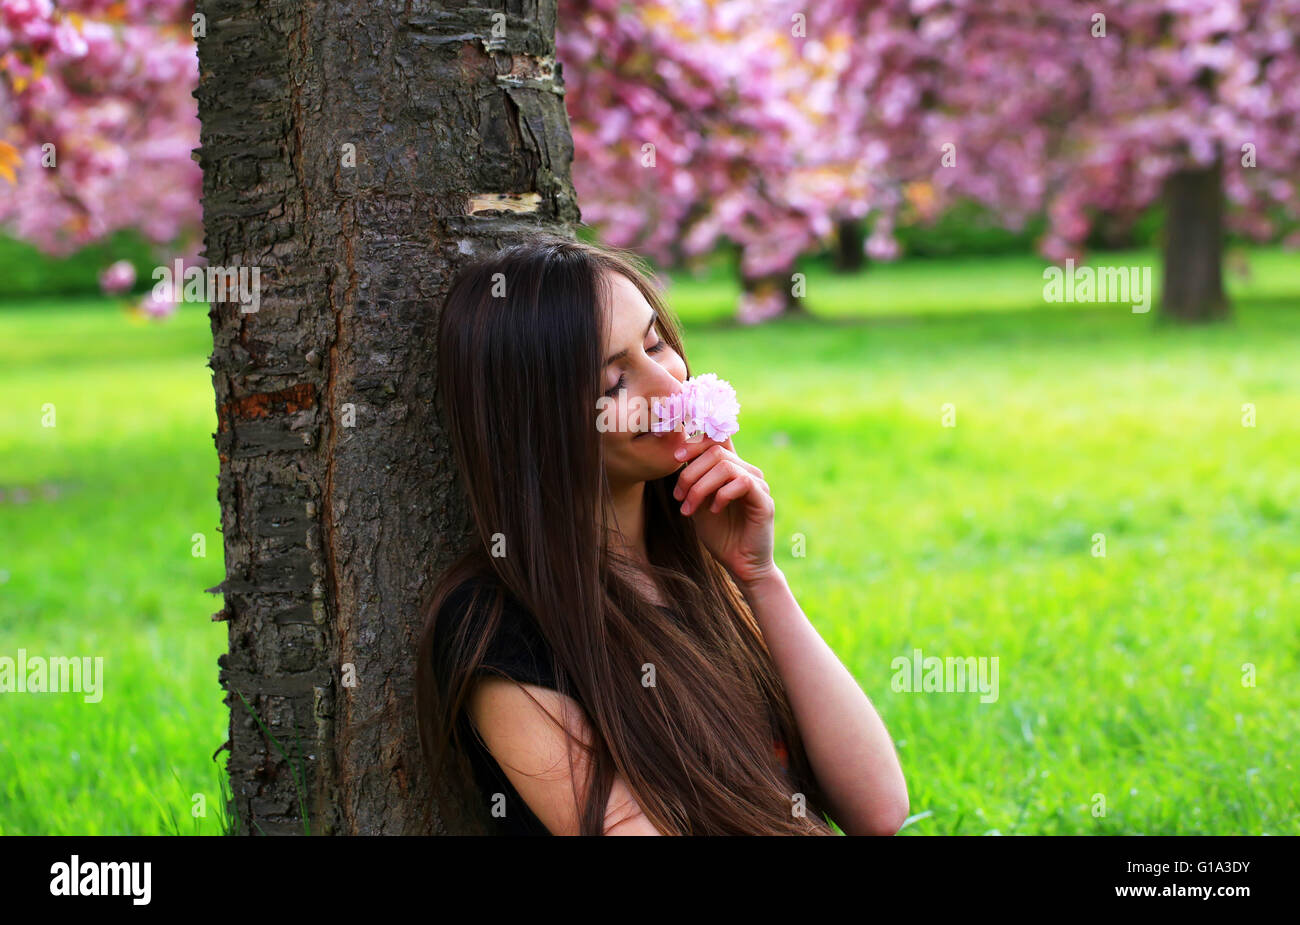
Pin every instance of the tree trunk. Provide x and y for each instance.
(357, 152)
(849, 239)
(1193, 277)
(770, 295)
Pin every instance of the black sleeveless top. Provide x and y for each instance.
(518, 651)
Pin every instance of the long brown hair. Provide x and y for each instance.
(519, 373)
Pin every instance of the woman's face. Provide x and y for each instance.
(644, 367)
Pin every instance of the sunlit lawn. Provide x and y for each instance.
(1121, 706)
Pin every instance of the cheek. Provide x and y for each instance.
(614, 444)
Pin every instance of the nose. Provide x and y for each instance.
(667, 387)
(668, 383)
(666, 399)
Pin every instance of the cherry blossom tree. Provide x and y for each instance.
(697, 123)
(1088, 110)
(97, 123)
(760, 124)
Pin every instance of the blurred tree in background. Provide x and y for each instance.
(1089, 115)
(867, 126)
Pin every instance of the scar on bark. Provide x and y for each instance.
(503, 202)
(261, 404)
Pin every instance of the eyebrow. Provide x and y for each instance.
(622, 353)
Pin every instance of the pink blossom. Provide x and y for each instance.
(706, 404)
(117, 277)
(68, 41)
(155, 307)
(756, 307)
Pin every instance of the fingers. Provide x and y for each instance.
(736, 488)
(752, 470)
(690, 449)
(701, 463)
(706, 458)
(755, 472)
(718, 475)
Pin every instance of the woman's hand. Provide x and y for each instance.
(741, 534)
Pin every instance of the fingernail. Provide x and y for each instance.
(686, 508)
(681, 453)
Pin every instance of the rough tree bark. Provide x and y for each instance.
(1193, 276)
(338, 494)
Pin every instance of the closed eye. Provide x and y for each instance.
(622, 380)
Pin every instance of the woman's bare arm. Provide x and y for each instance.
(848, 746)
(533, 753)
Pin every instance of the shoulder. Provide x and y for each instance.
(542, 740)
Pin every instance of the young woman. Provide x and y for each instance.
(617, 653)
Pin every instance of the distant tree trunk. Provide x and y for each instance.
(773, 295)
(1193, 277)
(769, 295)
(357, 153)
(1114, 232)
(849, 239)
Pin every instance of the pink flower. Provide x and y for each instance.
(755, 308)
(882, 245)
(68, 41)
(706, 404)
(157, 308)
(118, 277)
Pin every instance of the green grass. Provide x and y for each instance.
(98, 561)
(1119, 676)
